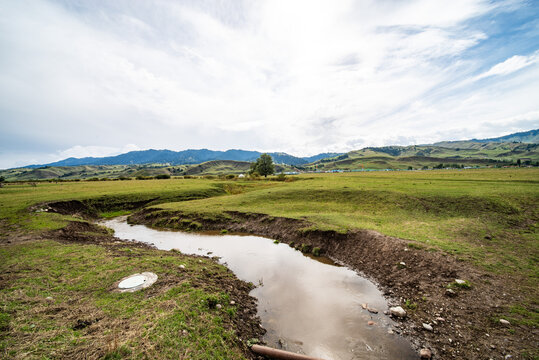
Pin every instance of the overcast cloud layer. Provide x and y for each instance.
(96, 78)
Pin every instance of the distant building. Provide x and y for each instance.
(241, 176)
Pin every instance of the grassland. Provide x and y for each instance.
(111, 196)
(57, 303)
(485, 217)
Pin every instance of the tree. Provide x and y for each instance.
(263, 165)
(518, 162)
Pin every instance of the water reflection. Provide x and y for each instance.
(307, 306)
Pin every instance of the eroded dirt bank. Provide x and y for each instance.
(464, 322)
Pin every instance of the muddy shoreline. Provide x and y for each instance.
(464, 323)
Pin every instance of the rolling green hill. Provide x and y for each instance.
(461, 153)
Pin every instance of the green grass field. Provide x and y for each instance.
(63, 307)
(486, 216)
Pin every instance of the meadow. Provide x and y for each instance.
(484, 217)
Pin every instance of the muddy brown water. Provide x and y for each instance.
(306, 306)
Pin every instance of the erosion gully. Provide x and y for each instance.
(307, 305)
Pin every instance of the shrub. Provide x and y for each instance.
(230, 176)
(316, 251)
(163, 176)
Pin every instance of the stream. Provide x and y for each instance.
(307, 305)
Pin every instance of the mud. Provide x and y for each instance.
(469, 329)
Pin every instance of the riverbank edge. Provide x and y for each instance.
(246, 323)
(463, 321)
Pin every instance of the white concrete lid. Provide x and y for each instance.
(136, 282)
(132, 281)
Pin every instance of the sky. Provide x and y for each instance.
(98, 77)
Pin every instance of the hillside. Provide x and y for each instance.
(463, 154)
(220, 167)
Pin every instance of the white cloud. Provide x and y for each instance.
(296, 76)
(509, 66)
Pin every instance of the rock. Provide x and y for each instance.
(232, 302)
(460, 282)
(218, 306)
(425, 353)
(364, 306)
(185, 332)
(370, 323)
(427, 327)
(397, 311)
(402, 264)
(372, 310)
(440, 319)
(504, 322)
(508, 357)
(493, 346)
(49, 298)
(450, 293)
(182, 266)
(389, 331)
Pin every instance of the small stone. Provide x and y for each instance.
(185, 332)
(200, 261)
(504, 322)
(182, 266)
(49, 298)
(450, 293)
(460, 282)
(389, 331)
(508, 356)
(372, 310)
(397, 311)
(440, 319)
(402, 264)
(364, 306)
(425, 354)
(218, 306)
(232, 302)
(450, 340)
(427, 327)
(370, 323)
(493, 346)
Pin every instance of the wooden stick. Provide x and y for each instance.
(280, 354)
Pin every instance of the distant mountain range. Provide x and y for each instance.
(191, 157)
(498, 152)
(185, 157)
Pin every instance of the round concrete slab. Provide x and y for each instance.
(137, 282)
(132, 281)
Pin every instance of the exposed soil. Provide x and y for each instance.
(469, 329)
(95, 323)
